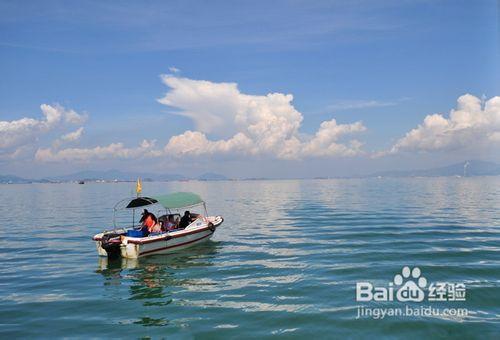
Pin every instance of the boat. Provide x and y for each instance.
(131, 242)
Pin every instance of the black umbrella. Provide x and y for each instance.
(141, 202)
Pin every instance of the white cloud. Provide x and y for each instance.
(360, 104)
(72, 117)
(472, 123)
(250, 125)
(69, 137)
(325, 143)
(111, 151)
(195, 143)
(73, 136)
(253, 124)
(19, 133)
(174, 69)
(13, 133)
(211, 106)
(495, 136)
(25, 151)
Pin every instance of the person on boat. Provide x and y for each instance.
(142, 221)
(154, 226)
(150, 222)
(145, 214)
(170, 224)
(185, 220)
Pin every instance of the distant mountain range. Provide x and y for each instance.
(13, 179)
(465, 169)
(210, 176)
(111, 175)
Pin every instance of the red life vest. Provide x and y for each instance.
(149, 222)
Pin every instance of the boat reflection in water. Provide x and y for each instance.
(154, 281)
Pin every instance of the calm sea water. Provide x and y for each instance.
(285, 261)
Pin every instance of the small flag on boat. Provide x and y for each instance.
(138, 187)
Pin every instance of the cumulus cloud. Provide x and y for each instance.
(25, 151)
(472, 123)
(18, 133)
(325, 143)
(111, 151)
(73, 136)
(250, 124)
(239, 125)
(196, 143)
(72, 117)
(69, 137)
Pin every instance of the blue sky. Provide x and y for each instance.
(386, 64)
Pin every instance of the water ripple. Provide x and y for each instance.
(285, 262)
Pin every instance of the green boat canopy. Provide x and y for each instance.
(178, 200)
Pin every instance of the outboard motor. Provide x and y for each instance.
(111, 244)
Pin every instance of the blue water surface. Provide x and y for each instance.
(285, 262)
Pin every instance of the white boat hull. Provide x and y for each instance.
(165, 243)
